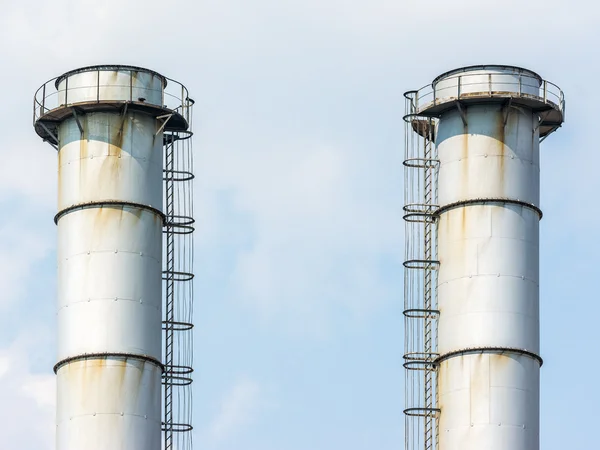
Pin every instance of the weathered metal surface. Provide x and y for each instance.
(491, 84)
(488, 286)
(111, 403)
(487, 158)
(486, 79)
(489, 401)
(488, 279)
(116, 158)
(117, 84)
(108, 125)
(110, 88)
(109, 274)
(109, 278)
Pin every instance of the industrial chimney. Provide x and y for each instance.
(124, 220)
(472, 173)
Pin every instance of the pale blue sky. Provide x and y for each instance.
(299, 194)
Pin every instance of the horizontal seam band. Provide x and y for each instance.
(467, 351)
(109, 203)
(483, 201)
(146, 358)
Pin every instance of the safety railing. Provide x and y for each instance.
(54, 94)
(465, 86)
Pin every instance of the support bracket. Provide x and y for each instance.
(463, 116)
(542, 118)
(165, 118)
(507, 110)
(74, 111)
(52, 135)
(124, 114)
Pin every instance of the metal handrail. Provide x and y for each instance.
(429, 95)
(175, 96)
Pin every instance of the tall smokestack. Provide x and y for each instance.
(472, 349)
(110, 125)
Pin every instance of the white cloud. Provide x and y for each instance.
(28, 398)
(238, 408)
(21, 247)
(319, 230)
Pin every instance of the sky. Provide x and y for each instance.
(299, 192)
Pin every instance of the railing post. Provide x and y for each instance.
(545, 91)
(98, 89)
(131, 85)
(459, 81)
(43, 100)
(519, 85)
(66, 90)
(490, 84)
(434, 95)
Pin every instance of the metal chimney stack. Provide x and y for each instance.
(472, 350)
(116, 130)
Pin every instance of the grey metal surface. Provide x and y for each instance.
(107, 123)
(493, 84)
(489, 123)
(109, 88)
(117, 158)
(110, 403)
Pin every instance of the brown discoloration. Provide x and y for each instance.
(500, 130)
(464, 161)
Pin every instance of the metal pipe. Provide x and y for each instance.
(487, 290)
(110, 263)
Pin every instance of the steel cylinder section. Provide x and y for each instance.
(488, 277)
(481, 80)
(109, 276)
(488, 234)
(111, 403)
(109, 287)
(112, 157)
(489, 401)
(116, 84)
(488, 151)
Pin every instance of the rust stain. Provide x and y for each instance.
(500, 133)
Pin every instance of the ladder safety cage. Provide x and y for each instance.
(178, 276)
(420, 278)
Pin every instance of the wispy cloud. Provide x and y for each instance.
(28, 398)
(238, 408)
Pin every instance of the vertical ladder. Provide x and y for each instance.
(178, 302)
(169, 276)
(420, 279)
(428, 294)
